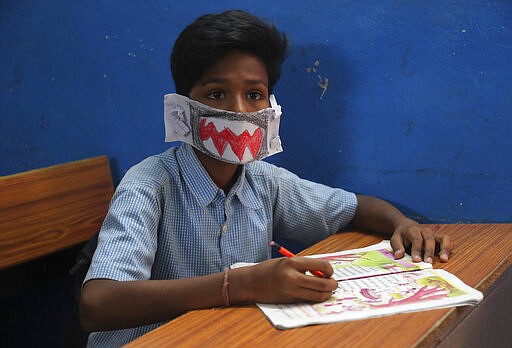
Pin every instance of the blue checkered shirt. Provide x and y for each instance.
(168, 220)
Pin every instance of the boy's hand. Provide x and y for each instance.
(283, 280)
(420, 239)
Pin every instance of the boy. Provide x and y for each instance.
(178, 220)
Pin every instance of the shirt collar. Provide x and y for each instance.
(244, 191)
(195, 176)
(203, 187)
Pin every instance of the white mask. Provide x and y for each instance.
(233, 137)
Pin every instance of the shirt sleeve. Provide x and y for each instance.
(307, 212)
(127, 242)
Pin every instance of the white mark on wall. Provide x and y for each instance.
(323, 82)
(141, 49)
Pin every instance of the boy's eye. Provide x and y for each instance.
(215, 95)
(255, 95)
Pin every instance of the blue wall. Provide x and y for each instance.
(416, 105)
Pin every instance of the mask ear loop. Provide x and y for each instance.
(275, 106)
(275, 142)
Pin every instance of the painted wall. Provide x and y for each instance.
(407, 100)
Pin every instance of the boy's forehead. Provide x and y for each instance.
(237, 66)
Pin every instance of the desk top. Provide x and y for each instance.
(481, 254)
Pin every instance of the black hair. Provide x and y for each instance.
(206, 40)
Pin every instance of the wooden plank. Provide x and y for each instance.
(49, 209)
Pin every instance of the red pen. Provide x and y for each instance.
(285, 252)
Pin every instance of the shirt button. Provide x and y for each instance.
(224, 228)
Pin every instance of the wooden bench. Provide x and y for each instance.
(46, 210)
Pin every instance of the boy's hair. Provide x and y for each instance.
(210, 37)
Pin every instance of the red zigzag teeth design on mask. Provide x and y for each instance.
(238, 143)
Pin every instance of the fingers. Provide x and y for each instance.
(398, 246)
(311, 264)
(446, 247)
(422, 241)
(416, 237)
(286, 281)
(316, 289)
(429, 245)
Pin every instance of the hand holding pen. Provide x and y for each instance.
(285, 252)
(283, 280)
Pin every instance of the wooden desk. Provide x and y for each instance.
(481, 258)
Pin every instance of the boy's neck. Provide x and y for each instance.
(223, 174)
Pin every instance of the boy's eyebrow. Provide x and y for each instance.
(223, 80)
(257, 82)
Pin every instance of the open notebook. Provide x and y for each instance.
(371, 283)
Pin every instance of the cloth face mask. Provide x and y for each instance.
(233, 137)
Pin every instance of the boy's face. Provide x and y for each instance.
(227, 115)
(238, 82)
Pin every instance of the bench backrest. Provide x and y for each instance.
(46, 210)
